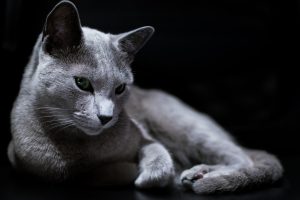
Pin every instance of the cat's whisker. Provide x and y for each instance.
(57, 121)
(52, 114)
(69, 125)
(51, 108)
(58, 125)
(52, 111)
(53, 117)
(53, 124)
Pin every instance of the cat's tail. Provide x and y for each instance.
(266, 169)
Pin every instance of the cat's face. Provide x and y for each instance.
(84, 76)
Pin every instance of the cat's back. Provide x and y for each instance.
(158, 111)
(145, 102)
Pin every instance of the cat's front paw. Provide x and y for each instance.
(155, 177)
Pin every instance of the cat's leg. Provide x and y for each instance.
(223, 169)
(195, 138)
(226, 166)
(204, 179)
(155, 166)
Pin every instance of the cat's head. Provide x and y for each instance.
(83, 75)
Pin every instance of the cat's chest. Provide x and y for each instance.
(61, 155)
(111, 149)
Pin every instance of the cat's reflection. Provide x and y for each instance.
(279, 191)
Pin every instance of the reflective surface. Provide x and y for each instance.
(234, 60)
(14, 186)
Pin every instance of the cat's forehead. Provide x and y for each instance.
(98, 59)
(98, 48)
(97, 41)
(102, 75)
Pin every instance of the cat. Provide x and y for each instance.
(78, 116)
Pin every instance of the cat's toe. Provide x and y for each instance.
(206, 179)
(188, 177)
(191, 178)
(205, 185)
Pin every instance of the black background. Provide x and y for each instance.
(236, 60)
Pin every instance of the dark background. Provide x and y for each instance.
(235, 60)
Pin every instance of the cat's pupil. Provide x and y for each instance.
(120, 89)
(83, 84)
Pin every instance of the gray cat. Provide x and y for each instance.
(78, 116)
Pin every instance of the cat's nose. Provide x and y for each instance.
(104, 119)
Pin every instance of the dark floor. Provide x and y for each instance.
(14, 187)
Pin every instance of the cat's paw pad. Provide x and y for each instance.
(204, 179)
(155, 178)
(188, 177)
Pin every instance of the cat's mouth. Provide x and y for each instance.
(90, 126)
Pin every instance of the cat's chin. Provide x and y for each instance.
(90, 132)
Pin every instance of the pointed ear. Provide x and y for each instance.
(131, 42)
(62, 29)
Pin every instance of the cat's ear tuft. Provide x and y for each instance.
(131, 42)
(62, 29)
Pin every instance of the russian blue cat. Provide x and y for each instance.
(78, 116)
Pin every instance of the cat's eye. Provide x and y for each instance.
(83, 84)
(120, 89)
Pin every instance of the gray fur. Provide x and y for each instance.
(153, 137)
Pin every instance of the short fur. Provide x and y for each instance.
(153, 139)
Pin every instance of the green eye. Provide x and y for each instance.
(83, 84)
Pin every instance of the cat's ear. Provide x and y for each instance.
(62, 29)
(131, 42)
